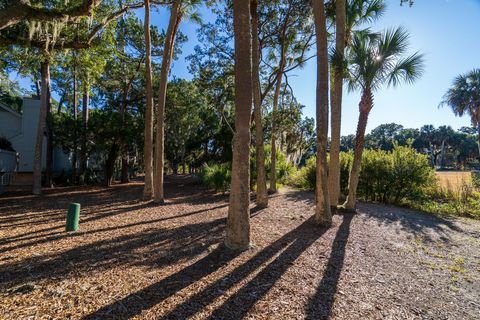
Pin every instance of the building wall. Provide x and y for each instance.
(10, 124)
(24, 143)
(8, 161)
(25, 137)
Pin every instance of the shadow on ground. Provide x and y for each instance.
(284, 252)
(157, 246)
(429, 227)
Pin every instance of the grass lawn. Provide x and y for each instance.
(454, 180)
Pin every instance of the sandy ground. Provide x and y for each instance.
(133, 259)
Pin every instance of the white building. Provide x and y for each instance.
(21, 131)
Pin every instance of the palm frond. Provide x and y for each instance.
(376, 59)
(463, 97)
(407, 70)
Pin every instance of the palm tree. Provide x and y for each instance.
(323, 215)
(148, 148)
(464, 98)
(172, 30)
(359, 13)
(238, 221)
(336, 103)
(348, 15)
(376, 60)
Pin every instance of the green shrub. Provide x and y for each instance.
(305, 177)
(216, 176)
(476, 179)
(465, 202)
(284, 169)
(387, 177)
(391, 177)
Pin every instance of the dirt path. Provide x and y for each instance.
(133, 259)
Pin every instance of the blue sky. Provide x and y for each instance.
(446, 31)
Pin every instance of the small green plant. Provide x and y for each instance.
(305, 177)
(476, 179)
(284, 168)
(216, 177)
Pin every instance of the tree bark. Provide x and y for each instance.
(323, 215)
(83, 151)
(336, 103)
(478, 131)
(110, 165)
(75, 116)
(238, 221)
(49, 127)
(173, 24)
(365, 106)
(262, 196)
(124, 175)
(37, 161)
(18, 11)
(278, 85)
(148, 146)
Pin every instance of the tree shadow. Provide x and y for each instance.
(97, 203)
(284, 251)
(429, 227)
(321, 303)
(154, 247)
(146, 298)
(52, 236)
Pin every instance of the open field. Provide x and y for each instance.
(454, 180)
(133, 259)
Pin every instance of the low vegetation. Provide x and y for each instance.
(401, 176)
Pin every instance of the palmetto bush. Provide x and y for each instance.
(304, 178)
(216, 176)
(387, 177)
(283, 167)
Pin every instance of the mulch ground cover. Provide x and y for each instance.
(135, 259)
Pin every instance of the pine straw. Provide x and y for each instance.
(133, 259)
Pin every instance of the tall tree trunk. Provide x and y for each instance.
(173, 24)
(478, 132)
(124, 175)
(323, 215)
(110, 165)
(60, 103)
(336, 103)
(37, 161)
(83, 151)
(49, 122)
(123, 148)
(442, 154)
(278, 86)
(262, 196)
(75, 116)
(148, 145)
(238, 221)
(365, 106)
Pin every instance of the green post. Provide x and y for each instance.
(73, 216)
